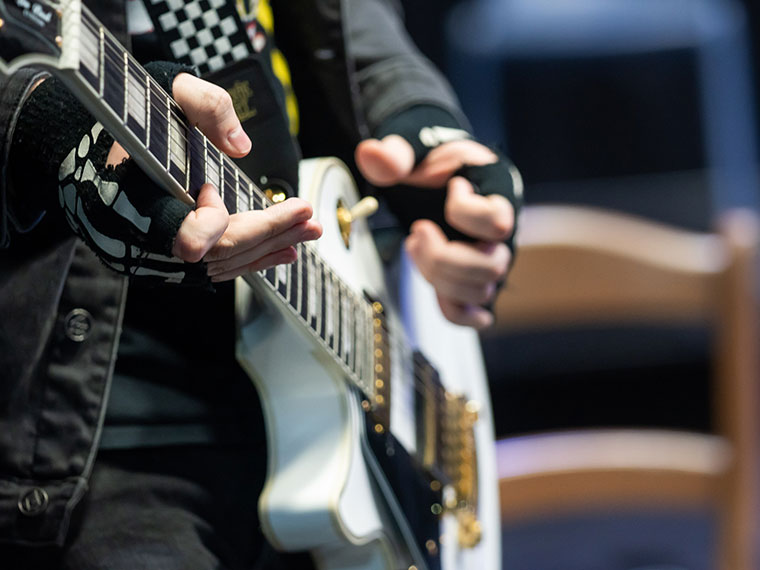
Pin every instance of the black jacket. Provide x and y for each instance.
(61, 309)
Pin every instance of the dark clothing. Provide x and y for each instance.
(145, 509)
(62, 309)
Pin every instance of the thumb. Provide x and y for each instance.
(202, 227)
(385, 162)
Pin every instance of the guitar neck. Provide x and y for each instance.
(151, 126)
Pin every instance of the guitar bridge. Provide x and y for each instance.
(446, 439)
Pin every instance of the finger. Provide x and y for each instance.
(475, 264)
(425, 245)
(443, 161)
(429, 249)
(281, 257)
(466, 315)
(116, 155)
(209, 107)
(467, 263)
(304, 231)
(249, 229)
(202, 227)
(385, 162)
(489, 218)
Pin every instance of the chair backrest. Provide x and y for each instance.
(581, 266)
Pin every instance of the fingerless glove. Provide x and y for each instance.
(425, 127)
(123, 216)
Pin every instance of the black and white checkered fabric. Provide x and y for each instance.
(205, 33)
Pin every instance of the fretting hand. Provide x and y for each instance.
(230, 245)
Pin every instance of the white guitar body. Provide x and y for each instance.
(325, 492)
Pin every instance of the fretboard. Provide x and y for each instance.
(312, 291)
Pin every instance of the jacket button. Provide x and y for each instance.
(34, 502)
(78, 324)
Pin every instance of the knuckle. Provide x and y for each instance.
(483, 294)
(448, 312)
(217, 102)
(496, 272)
(190, 249)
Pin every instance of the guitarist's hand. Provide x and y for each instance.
(465, 274)
(239, 243)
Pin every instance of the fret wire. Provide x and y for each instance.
(349, 340)
(344, 326)
(102, 60)
(331, 308)
(324, 299)
(344, 342)
(170, 112)
(237, 184)
(168, 134)
(289, 277)
(126, 87)
(253, 192)
(308, 286)
(205, 159)
(295, 269)
(222, 176)
(117, 53)
(356, 332)
(318, 289)
(301, 249)
(281, 279)
(188, 154)
(215, 160)
(106, 35)
(336, 302)
(305, 284)
(337, 316)
(147, 110)
(338, 310)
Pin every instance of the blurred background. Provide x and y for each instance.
(636, 118)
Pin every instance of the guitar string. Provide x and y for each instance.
(115, 53)
(430, 388)
(220, 163)
(400, 345)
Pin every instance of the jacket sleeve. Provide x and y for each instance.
(392, 74)
(16, 212)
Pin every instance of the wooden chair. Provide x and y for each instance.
(579, 265)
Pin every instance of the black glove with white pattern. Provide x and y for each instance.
(124, 217)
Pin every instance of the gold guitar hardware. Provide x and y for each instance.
(362, 209)
(275, 195)
(470, 530)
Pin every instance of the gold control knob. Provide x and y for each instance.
(362, 209)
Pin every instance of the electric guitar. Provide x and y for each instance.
(378, 420)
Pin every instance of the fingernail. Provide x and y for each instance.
(239, 140)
